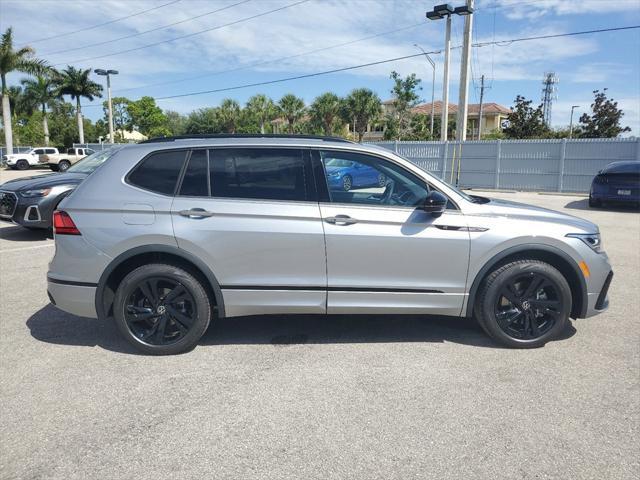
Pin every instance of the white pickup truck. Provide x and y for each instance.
(24, 160)
(62, 161)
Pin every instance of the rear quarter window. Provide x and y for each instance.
(158, 172)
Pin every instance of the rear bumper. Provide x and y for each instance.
(73, 297)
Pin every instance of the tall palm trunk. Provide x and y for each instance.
(45, 125)
(262, 126)
(79, 117)
(6, 118)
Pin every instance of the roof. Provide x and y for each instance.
(474, 108)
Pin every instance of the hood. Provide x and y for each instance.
(43, 181)
(523, 211)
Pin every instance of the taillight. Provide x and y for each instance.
(63, 224)
(601, 179)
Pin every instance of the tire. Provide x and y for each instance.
(22, 165)
(63, 165)
(593, 203)
(347, 183)
(54, 168)
(531, 319)
(185, 318)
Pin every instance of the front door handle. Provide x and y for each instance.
(341, 220)
(196, 213)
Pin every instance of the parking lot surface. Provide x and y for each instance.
(320, 397)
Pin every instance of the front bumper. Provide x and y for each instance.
(30, 213)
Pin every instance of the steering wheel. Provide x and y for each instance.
(388, 192)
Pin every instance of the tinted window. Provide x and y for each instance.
(158, 172)
(39, 151)
(50, 150)
(362, 179)
(195, 182)
(263, 173)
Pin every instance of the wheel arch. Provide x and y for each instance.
(131, 259)
(551, 255)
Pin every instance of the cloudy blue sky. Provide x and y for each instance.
(210, 58)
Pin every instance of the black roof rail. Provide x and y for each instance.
(244, 135)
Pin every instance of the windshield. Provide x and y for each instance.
(89, 164)
(631, 167)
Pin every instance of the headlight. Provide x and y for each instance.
(41, 192)
(592, 239)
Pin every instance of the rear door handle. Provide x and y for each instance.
(196, 213)
(341, 220)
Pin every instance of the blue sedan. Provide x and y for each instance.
(346, 174)
(618, 182)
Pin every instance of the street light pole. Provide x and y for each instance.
(573, 107)
(444, 121)
(107, 73)
(463, 96)
(433, 84)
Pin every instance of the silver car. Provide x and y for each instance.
(170, 234)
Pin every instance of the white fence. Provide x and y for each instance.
(543, 165)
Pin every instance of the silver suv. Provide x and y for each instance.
(169, 234)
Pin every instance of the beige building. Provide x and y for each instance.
(493, 115)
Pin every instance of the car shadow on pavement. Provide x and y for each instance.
(609, 207)
(15, 233)
(54, 326)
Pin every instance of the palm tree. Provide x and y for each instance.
(21, 60)
(40, 92)
(292, 108)
(362, 107)
(325, 111)
(261, 108)
(76, 83)
(228, 115)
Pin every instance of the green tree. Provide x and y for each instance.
(120, 109)
(325, 112)
(604, 121)
(292, 108)
(176, 122)
(12, 60)
(40, 91)
(147, 118)
(262, 109)
(203, 120)
(76, 83)
(405, 97)
(524, 121)
(229, 115)
(361, 108)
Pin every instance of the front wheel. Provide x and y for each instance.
(162, 309)
(524, 304)
(22, 165)
(53, 167)
(63, 165)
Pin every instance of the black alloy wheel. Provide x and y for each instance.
(524, 304)
(22, 165)
(162, 309)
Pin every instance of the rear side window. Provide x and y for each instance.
(50, 150)
(195, 182)
(258, 173)
(158, 172)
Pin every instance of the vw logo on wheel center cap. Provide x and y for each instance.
(526, 305)
(161, 309)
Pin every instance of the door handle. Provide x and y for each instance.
(341, 220)
(196, 213)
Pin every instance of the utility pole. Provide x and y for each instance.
(482, 87)
(573, 107)
(463, 102)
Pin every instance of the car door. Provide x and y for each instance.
(252, 216)
(384, 253)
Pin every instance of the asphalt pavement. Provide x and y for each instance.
(305, 397)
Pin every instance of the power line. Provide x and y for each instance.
(266, 62)
(105, 23)
(188, 35)
(147, 31)
(379, 62)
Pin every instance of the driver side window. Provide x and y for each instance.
(362, 179)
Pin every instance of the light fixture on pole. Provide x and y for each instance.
(439, 12)
(573, 107)
(433, 84)
(108, 73)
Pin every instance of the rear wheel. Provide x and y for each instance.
(63, 165)
(162, 309)
(22, 165)
(524, 304)
(593, 203)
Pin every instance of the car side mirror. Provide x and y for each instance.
(435, 203)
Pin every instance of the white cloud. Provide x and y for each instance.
(535, 9)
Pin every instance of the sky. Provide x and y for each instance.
(222, 47)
